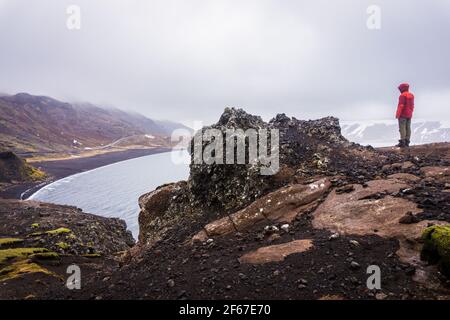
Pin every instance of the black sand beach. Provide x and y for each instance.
(63, 168)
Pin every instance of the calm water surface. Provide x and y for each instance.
(113, 190)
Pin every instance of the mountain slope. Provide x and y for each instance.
(41, 124)
(385, 133)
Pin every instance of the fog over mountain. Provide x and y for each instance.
(187, 60)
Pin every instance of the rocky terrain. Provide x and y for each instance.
(308, 232)
(40, 241)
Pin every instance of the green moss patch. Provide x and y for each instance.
(22, 267)
(45, 256)
(9, 241)
(52, 232)
(59, 231)
(63, 245)
(436, 249)
(36, 174)
(9, 254)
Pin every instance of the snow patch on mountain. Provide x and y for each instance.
(380, 133)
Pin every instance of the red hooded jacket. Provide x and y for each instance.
(405, 107)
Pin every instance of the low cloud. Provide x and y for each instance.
(187, 60)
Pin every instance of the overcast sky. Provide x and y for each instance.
(186, 60)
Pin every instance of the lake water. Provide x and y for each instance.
(113, 190)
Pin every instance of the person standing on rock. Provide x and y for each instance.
(404, 114)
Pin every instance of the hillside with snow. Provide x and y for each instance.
(385, 132)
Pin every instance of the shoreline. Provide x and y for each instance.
(59, 169)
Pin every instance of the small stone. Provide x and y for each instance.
(274, 237)
(276, 273)
(271, 229)
(355, 265)
(242, 276)
(334, 236)
(285, 227)
(171, 283)
(303, 281)
(409, 218)
(354, 243)
(380, 296)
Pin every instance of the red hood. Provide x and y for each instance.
(403, 87)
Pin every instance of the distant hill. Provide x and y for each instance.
(385, 133)
(42, 124)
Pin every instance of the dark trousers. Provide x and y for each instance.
(405, 128)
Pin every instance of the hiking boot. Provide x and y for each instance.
(407, 143)
(401, 143)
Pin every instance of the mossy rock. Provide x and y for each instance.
(45, 256)
(52, 232)
(9, 254)
(23, 267)
(36, 174)
(63, 245)
(9, 241)
(436, 249)
(58, 231)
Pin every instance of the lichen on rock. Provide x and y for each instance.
(436, 249)
(9, 241)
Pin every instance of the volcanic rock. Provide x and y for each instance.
(276, 253)
(282, 205)
(356, 213)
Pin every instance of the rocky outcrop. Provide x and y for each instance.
(161, 210)
(216, 191)
(13, 169)
(40, 241)
(308, 147)
(282, 206)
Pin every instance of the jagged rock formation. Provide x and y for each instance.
(307, 149)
